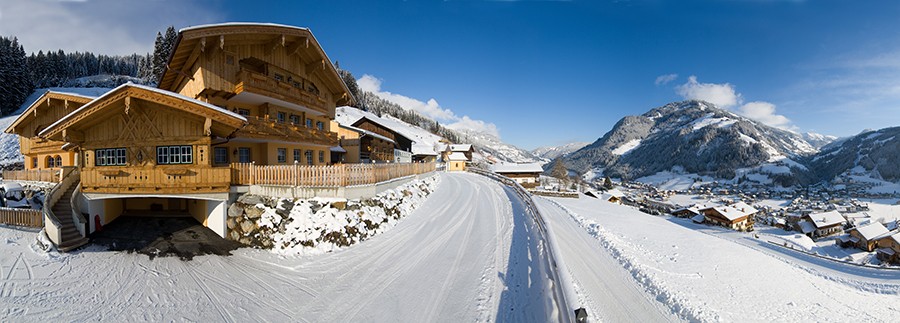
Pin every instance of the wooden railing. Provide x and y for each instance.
(258, 82)
(268, 127)
(36, 175)
(21, 217)
(52, 226)
(323, 176)
(169, 179)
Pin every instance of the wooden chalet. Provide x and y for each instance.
(866, 237)
(528, 175)
(826, 223)
(737, 216)
(364, 146)
(466, 149)
(889, 248)
(239, 104)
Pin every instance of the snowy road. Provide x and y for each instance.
(606, 289)
(465, 255)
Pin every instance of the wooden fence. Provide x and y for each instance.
(323, 176)
(36, 175)
(21, 217)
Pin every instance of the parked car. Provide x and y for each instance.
(13, 196)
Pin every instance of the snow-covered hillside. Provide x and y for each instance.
(871, 155)
(496, 150)
(552, 152)
(9, 144)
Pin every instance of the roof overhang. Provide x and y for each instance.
(31, 111)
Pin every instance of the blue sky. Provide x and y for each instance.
(550, 72)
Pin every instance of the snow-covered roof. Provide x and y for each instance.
(517, 168)
(872, 231)
(807, 227)
(151, 89)
(730, 213)
(826, 219)
(457, 156)
(896, 237)
(338, 149)
(367, 133)
(248, 24)
(424, 142)
(614, 193)
(744, 207)
(460, 147)
(698, 218)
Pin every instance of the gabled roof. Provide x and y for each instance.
(367, 133)
(826, 219)
(872, 231)
(49, 94)
(457, 156)
(744, 207)
(460, 147)
(730, 213)
(517, 168)
(190, 38)
(76, 115)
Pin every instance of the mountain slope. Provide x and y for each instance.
(871, 153)
(695, 137)
(554, 152)
(495, 149)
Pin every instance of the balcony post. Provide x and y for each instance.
(252, 172)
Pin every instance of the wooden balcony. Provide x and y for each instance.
(324, 176)
(35, 175)
(262, 128)
(288, 91)
(161, 179)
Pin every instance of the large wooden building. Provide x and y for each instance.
(232, 93)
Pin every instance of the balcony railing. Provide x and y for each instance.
(272, 129)
(35, 175)
(160, 179)
(294, 93)
(323, 176)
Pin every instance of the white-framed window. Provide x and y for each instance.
(109, 157)
(169, 155)
(320, 125)
(282, 155)
(295, 119)
(296, 155)
(309, 157)
(321, 156)
(281, 117)
(244, 155)
(220, 155)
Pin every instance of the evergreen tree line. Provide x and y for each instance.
(20, 74)
(368, 101)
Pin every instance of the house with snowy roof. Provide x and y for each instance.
(866, 237)
(240, 104)
(362, 146)
(823, 224)
(528, 175)
(889, 248)
(456, 162)
(408, 140)
(737, 216)
(466, 149)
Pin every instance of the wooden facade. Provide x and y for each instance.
(41, 153)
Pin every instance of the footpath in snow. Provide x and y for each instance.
(463, 256)
(701, 277)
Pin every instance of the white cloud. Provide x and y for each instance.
(430, 108)
(765, 112)
(109, 27)
(724, 96)
(465, 123)
(665, 79)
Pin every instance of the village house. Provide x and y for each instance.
(690, 211)
(406, 148)
(822, 224)
(235, 98)
(456, 162)
(528, 175)
(465, 149)
(889, 248)
(364, 146)
(865, 237)
(737, 216)
(613, 196)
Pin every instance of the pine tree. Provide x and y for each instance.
(607, 183)
(14, 76)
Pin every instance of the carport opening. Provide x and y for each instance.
(158, 226)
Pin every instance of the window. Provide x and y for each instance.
(309, 157)
(110, 157)
(244, 155)
(50, 162)
(282, 155)
(320, 125)
(58, 161)
(168, 155)
(281, 117)
(321, 156)
(34, 162)
(278, 77)
(295, 119)
(296, 155)
(309, 123)
(220, 155)
(243, 112)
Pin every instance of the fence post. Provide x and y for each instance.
(296, 173)
(252, 172)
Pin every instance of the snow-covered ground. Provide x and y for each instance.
(465, 255)
(707, 274)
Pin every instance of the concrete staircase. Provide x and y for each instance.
(71, 237)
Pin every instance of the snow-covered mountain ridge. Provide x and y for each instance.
(554, 152)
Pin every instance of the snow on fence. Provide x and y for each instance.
(35, 175)
(21, 217)
(564, 288)
(324, 176)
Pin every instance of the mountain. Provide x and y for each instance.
(872, 154)
(554, 152)
(495, 150)
(695, 137)
(818, 140)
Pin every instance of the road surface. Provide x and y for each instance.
(465, 255)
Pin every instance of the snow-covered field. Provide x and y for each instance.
(465, 255)
(701, 275)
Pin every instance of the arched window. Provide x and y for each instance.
(50, 162)
(58, 161)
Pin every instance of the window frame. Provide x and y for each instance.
(110, 157)
(216, 151)
(175, 155)
(320, 125)
(281, 155)
(321, 156)
(280, 116)
(249, 154)
(297, 155)
(309, 157)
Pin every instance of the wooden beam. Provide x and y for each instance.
(73, 136)
(272, 45)
(195, 54)
(295, 47)
(127, 104)
(207, 126)
(315, 66)
(211, 48)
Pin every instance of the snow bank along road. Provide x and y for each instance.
(702, 277)
(465, 255)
